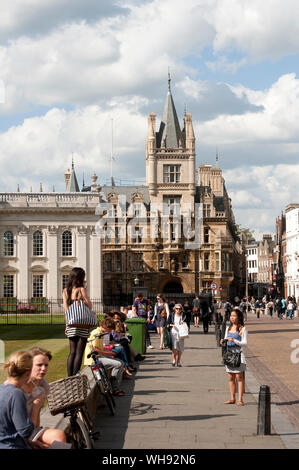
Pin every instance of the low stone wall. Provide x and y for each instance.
(94, 399)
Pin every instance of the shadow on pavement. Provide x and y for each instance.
(182, 418)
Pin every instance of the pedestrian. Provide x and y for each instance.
(270, 306)
(196, 306)
(227, 309)
(175, 319)
(205, 315)
(290, 310)
(257, 308)
(187, 312)
(15, 425)
(77, 333)
(141, 309)
(236, 336)
(161, 313)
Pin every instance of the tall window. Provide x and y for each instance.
(67, 243)
(137, 262)
(65, 278)
(38, 285)
(206, 235)
(171, 173)
(8, 285)
(137, 236)
(207, 261)
(8, 244)
(38, 243)
(207, 210)
(226, 262)
(173, 231)
(161, 261)
(172, 205)
(108, 262)
(118, 262)
(137, 209)
(185, 262)
(117, 235)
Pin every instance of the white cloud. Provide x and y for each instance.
(277, 121)
(41, 147)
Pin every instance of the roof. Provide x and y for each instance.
(73, 186)
(170, 133)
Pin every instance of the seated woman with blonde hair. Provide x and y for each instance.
(15, 425)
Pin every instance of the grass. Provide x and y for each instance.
(34, 319)
(50, 337)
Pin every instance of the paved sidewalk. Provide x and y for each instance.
(182, 408)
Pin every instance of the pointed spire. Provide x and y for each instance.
(53, 188)
(72, 183)
(217, 159)
(18, 188)
(170, 131)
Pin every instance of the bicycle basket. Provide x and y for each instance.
(67, 393)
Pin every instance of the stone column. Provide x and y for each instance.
(96, 268)
(54, 287)
(81, 248)
(22, 281)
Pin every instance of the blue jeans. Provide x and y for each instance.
(121, 353)
(290, 313)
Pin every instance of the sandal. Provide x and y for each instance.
(119, 393)
(240, 403)
(230, 402)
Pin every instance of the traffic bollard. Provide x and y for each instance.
(264, 411)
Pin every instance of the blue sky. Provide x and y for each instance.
(67, 71)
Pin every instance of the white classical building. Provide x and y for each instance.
(43, 236)
(292, 249)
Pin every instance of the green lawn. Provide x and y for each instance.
(50, 337)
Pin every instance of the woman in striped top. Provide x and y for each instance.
(77, 335)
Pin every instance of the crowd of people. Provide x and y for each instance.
(23, 395)
(282, 307)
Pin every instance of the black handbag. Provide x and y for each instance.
(232, 357)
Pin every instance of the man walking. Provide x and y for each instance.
(196, 306)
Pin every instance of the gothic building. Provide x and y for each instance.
(175, 234)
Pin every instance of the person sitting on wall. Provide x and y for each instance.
(106, 356)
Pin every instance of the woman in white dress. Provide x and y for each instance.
(175, 319)
(236, 335)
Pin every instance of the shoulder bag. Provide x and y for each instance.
(232, 357)
(79, 313)
(183, 330)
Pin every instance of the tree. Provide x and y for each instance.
(247, 233)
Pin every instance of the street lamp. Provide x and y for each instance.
(136, 281)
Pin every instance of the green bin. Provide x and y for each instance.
(136, 328)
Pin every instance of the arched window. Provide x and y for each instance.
(38, 243)
(8, 244)
(67, 243)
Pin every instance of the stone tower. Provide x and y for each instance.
(170, 155)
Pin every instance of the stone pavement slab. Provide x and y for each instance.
(182, 408)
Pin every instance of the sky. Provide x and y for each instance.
(72, 73)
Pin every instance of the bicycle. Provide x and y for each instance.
(102, 381)
(68, 396)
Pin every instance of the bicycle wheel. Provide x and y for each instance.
(110, 402)
(79, 435)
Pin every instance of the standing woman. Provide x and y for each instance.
(78, 333)
(236, 334)
(174, 320)
(161, 313)
(15, 425)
